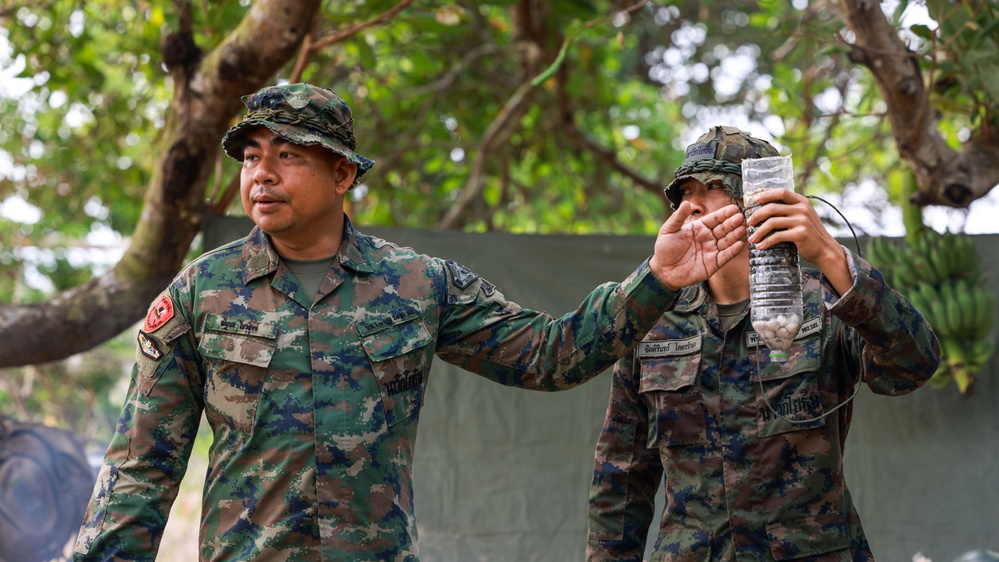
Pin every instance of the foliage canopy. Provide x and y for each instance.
(525, 116)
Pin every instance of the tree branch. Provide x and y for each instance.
(305, 53)
(354, 30)
(607, 155)
(515, 107)
(219, 206)
(945, 176)
(205, 100)
(811, 163)
(445, 81)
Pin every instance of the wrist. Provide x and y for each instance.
(659, 272)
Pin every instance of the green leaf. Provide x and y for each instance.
(923, 31)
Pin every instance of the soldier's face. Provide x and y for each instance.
(291, 191)
(704, 198)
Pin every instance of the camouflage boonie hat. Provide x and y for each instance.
(718, 155)
(301, 114)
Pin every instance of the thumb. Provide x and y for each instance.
(675, 221)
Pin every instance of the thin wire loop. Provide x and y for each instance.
(863, 364)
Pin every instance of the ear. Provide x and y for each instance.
(345, 171)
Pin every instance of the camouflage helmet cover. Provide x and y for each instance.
(718, 155)
(301, 114)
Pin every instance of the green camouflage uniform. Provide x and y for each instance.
(710, 410)
(314, 402)
(743, 484)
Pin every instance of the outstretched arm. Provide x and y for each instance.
(687, 252)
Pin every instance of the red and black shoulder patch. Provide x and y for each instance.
(159, 314)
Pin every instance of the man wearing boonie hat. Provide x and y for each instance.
(300, 114)
(307, 346)
(750, 450)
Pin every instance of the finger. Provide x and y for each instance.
(718, 217)
(766, 212)
(675, 221)
(730, 252)
(736, 235)
(758, 215)
(773, 226)
(770, 240)
(763, 240)
(731, 223)
(777, 195)
(792, 234)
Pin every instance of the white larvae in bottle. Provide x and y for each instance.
(779, 332)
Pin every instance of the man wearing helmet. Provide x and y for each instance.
(751, 449)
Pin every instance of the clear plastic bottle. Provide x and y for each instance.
(776, 310)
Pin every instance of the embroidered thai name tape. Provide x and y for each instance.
(701, 151)
(669, 348)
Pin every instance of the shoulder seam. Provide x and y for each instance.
(210, 253)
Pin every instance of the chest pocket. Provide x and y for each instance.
(397, 346)
(236, 355)
(792, 399)
(670, 387)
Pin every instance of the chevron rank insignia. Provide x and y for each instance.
(461, 276)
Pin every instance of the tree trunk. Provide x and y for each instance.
(945, 176)
(205, 101)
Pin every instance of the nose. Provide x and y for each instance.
(263, 171)
(696, 201)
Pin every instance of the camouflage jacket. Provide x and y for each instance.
(710, 412)
(314, 403)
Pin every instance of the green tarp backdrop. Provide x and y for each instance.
(502, 475)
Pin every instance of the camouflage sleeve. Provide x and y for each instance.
(896, 347)
(626, 475)
(148, 454)
(484, 333)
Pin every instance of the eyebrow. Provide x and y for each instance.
(275, 141)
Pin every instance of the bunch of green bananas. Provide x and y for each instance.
(941, 276)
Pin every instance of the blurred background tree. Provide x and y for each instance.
(536, 116)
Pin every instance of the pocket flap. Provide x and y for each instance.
(799, 362)
(809, 537)
(668, 373)
(374, 323)
(237, 348)
(238, 341)
(393, 340)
